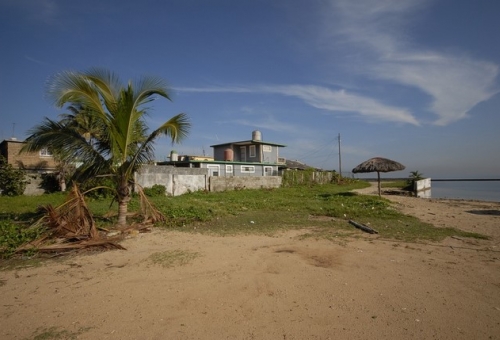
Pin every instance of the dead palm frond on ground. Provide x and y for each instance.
(69, 226)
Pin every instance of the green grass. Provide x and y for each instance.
(399, 184)
(325, 209)
(54, 333)
(172, 258)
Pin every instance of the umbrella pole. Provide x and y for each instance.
(378, 175)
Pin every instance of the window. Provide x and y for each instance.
(252, 151)
(213, 170)
(229, 170)
(45, 153)
(248, 169)
(243, 153)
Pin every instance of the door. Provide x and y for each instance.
(243, 153)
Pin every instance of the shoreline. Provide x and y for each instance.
(461, 192)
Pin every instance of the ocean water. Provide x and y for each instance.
(471, 190)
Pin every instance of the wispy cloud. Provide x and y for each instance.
(36, 61)
(45, 11)
(332, 101)
(342, 101)
(454, 82)
(269, 123)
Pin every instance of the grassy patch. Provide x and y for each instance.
(13, 235)
(339, 233)
(19, 263)
(408, 228)
(54, 333)
(172, 258)
(400, 184)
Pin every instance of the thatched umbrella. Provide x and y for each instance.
(379, 165)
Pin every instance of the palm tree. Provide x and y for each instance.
(416, 176)
(106, 130)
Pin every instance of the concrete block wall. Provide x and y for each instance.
(232, 183)
(177, 181)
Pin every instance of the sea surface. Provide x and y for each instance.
(471, 190)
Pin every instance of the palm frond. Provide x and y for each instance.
(108, 85)
(147, 87)
(73, 87)
(177, 128)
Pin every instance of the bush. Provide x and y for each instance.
(155, 191)
(12, 181)
(50, 183)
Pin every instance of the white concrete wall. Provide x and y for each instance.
(177, 181)
(421, 185)
(238, 182)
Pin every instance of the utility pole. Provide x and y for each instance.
(340, 159)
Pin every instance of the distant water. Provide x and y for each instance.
(471, 190)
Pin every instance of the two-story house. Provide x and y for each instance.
(253, 157)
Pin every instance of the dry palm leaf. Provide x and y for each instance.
(71, 219)
(70, 226)
(148, 210)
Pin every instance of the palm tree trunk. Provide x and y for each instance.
(378, 176)
(122, 211)
(123, 199)
(62, 182)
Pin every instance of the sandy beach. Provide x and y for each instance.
(271, 287)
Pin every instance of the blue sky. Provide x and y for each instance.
(416, 81)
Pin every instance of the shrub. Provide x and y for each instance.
(50, 183)
(12, 181)
(155, 191)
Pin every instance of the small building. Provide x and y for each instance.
(253, 157)
(41, 161)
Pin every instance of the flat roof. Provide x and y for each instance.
(215, 162)
(247, 142)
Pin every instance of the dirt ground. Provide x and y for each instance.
(280, 287)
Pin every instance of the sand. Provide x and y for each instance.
(279, 287)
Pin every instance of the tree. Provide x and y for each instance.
(416, 176)
(106, 131)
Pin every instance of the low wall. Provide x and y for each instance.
(246, 182)
(422, 188)
(177, 181)
(422, 184)
(294, 177)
